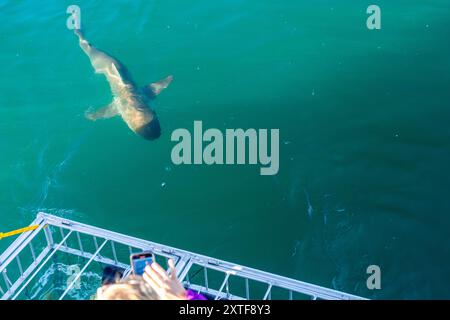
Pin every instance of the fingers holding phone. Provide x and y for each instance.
(168, 287)
(139, 261)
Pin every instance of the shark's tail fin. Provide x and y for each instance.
(79, 34)
(84, 44)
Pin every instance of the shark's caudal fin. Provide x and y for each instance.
(155, 88)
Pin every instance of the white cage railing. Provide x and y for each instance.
(24, 261)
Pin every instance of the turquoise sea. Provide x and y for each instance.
(363, 118)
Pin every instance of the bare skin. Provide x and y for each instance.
(167, 286)
(129, 101)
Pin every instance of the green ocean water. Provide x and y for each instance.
(363, 118)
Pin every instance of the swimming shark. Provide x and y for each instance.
(129, 101)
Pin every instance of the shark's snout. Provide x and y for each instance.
(151, 130)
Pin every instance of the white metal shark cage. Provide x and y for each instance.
(57, 241)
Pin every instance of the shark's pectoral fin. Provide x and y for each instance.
(103, 113)
(155, 88)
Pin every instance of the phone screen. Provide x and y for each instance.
(139, 262)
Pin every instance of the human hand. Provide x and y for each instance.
(167, 287)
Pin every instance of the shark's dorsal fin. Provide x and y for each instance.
(114, 68)
(114, 72)
(103, 113)
(155, 88)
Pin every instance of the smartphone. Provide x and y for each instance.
(139, 261)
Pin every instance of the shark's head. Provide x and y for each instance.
(151, 130)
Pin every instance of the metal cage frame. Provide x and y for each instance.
(184, 262)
